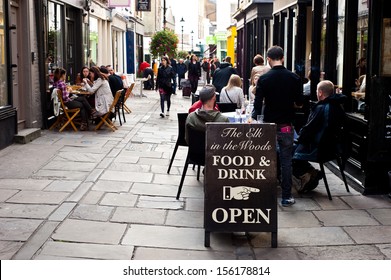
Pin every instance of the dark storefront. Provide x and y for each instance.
(64, 43)
(253, 35)
(330, 37)
(8, 117)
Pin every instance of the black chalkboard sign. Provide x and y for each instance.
(240, 179)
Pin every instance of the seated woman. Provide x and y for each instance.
(72, 103)
(233, 92)
(101, 88)
(84, 74)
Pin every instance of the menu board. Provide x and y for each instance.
(240, 179)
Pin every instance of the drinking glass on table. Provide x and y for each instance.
(238, 117)
(259, 118)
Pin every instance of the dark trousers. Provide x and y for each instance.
(193, 83)
(180, 77)
(82, 103)
(165, 97)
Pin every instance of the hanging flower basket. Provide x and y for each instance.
(164, 43)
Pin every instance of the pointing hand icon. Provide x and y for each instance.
(238, 193)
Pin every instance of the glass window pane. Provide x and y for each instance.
(93, 41)
(55, 39)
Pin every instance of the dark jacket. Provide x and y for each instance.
(174, 65)
(164, 78)
(115, 83)
(279, 89)
(221, 75)
(194, 69)
(181, 69)
(323, 128)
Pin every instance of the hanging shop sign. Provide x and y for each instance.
(143, 5)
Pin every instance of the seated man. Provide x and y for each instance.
(323, 123)
(206, 113)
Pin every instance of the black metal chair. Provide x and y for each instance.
(180, 141)
(333, 146)
(227, 107)
(120, 105)
(195, 154)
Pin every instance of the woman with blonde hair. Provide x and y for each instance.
(233, 92)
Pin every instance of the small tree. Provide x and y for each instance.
(164, 43)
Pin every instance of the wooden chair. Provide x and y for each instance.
(227, 107)
(195, 154)
(67, 116)
(120, 105)
(105, 119)
(129, 92)
(180, 141)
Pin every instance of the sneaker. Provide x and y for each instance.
(162, 115)
(168, 113)
(287, 201)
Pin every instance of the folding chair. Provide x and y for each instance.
(105, 119)
(66, 116)
(120, 105)
(180, 141)
(195, 154)
(129, 92)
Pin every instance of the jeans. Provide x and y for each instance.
(174, 84)
(81, 103)
(284, 150)
(166, 97)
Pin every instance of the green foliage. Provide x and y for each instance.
(164, 43)
(182, 54)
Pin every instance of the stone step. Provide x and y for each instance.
(27, 135)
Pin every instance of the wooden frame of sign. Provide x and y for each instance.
(240, 179)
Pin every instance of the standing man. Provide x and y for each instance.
(181, 70)
(279, 90)
(222, 74)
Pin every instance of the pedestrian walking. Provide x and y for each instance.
(165, 75)
(194, 72)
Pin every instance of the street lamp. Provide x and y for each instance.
(192, 33)
(182, 21)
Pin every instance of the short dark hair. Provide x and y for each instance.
(275, 53)
(258, 59)
(104, 70)
(207, 93)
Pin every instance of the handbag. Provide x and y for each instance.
(161, 91)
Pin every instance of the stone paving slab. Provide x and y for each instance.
(89, 232)
(153, 189)
(367, 202)
(119, 199)
(80, 157)
(60, 175)
(125, 166)
(63, 186)
(92, 212)
(92, 197)
(275, 254)
(6, 194)
(382, 215)
(349, 252)
(159, 202)
(297, 219)
(302, 204)
(24, 184)
(70, 166)
(142, 253)
(87, 251)
(112, 186)
(194, 204)
(29, 211)
(370, 234)
(319, 236)
(385, 249)
(171, 238)
(41, 197)
(62, 211)
(185, 219)
(8, 249)
(335, 204)
(345, 218)
(139, 216)
(77, 195)
(127, 176)
(17, 229)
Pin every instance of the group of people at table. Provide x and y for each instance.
(97, 85)
(277, 92)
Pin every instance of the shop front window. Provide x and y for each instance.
(3, 61)
(93, 58)
(361, 57)
(55, 56)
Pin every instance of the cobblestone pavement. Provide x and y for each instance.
(107, 195)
